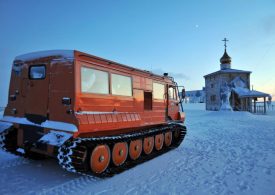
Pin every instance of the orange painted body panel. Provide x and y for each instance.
(92, 114)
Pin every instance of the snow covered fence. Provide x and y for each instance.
(259, 107)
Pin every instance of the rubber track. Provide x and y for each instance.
(71, 154)
(8, 141)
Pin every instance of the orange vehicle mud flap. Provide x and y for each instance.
(181, 116)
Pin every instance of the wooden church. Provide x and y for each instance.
(229, 89)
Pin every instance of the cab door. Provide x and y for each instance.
(37, 93)
(172, 103)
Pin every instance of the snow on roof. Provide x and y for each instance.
(42, 54)
(244, 92)
(229, 70)
(234, 70)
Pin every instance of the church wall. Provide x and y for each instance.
(213, 85)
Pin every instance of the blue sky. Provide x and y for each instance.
(179, 37)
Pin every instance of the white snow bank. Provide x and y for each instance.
(41, 54)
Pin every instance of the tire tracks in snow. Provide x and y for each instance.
(147, 186)
(14, 163)
(233, 149)
(72, 186)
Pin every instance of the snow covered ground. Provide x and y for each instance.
(223, 153)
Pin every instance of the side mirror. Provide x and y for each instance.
(183, 93)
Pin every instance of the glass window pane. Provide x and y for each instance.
(171, 93)
(121, 85)
(94, 81)
(37, 72)
(158, 91)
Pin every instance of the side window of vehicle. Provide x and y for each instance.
(158, 91)
(121, 85)
(172, 93)
(37, 72)
(94, 81)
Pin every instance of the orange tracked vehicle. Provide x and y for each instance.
(95, 115)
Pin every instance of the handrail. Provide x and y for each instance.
(179, 96)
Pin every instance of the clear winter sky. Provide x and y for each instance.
(180, 37)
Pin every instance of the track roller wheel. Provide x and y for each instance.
(135, 149)
(100, 158)
(159, 141)
(148, 145)
(119, 153)
(168, 138)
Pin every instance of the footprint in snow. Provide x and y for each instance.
(243, 186)
(267, 171)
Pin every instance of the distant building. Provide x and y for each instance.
(229, 89)
(195, 96)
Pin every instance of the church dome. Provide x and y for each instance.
(225, 59)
